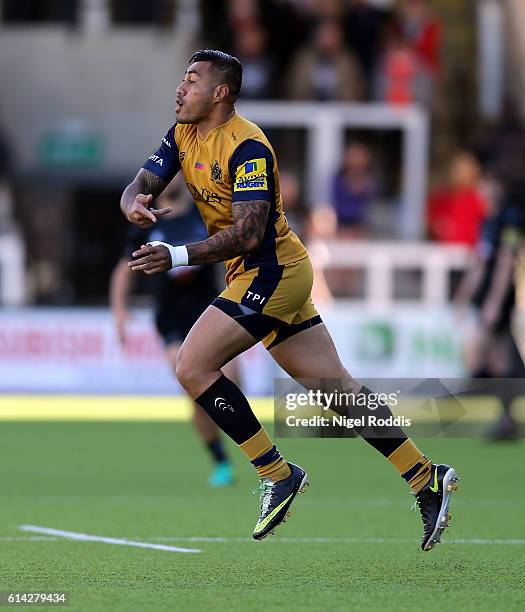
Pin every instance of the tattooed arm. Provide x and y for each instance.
(244, 236)
(138, 196)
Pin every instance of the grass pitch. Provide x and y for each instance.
(352, 542)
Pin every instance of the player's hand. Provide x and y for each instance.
(151, 259)
(122, 317)
(141, 215)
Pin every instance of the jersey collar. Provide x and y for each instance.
(217, 127)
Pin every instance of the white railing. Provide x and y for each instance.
(380, 261)
(12, 271)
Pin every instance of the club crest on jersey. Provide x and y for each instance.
(182, 155)
(216, 172)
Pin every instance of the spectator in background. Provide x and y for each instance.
(250, 46)
(423, 32)
(352, 191)
(364, 24)
(399, 78)
(457, 210)
(324, 69)
(262, 33)
(242, 11)
(286, 27)
(411, 63)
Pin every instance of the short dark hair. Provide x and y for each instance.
(228, 65)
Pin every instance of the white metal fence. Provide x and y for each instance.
(381, 260)
(378, 260)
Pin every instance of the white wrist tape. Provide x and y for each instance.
(179, 254)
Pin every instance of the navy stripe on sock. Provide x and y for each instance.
(409, 474)
(266, 458)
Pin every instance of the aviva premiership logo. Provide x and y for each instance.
(216, 172)
(251, 176)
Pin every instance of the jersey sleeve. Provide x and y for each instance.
(251, 172)
(165, 161)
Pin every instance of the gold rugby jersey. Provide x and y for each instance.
(234, 163)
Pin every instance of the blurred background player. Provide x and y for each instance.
(489, 348)
(180, 296)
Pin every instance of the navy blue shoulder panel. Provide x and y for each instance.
(251, 172)
(165, 161)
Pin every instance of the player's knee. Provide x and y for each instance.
(189, 372)
(185, 370)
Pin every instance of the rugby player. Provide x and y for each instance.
(490, 349)
(231, 171)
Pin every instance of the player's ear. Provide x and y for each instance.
(222, 92)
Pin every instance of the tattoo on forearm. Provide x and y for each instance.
(151, 183)
(244, 236)
(145, 182)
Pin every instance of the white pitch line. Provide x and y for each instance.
(321, 540)
(28, 539)
(84, 537)
(516, 541)
(53, 533)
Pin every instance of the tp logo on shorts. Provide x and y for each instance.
(255, 297)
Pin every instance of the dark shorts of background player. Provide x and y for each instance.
(272, 302)
(174, 321)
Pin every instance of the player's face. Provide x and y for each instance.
(194, 101)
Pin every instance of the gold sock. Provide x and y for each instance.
(264, 457)
(413, 466)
